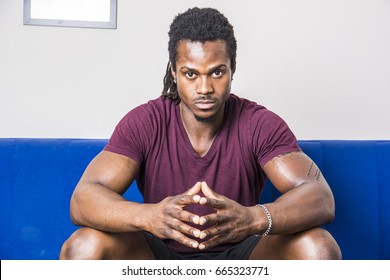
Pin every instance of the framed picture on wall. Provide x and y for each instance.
(71, 13)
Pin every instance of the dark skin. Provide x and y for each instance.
(112, 227)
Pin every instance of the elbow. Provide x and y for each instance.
(75, 216)
(332, 212)
(329, 216)
(329, 209)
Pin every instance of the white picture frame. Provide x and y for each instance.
(71, 13)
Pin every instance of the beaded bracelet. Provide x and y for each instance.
(269, 219)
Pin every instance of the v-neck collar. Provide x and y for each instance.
(187, 142)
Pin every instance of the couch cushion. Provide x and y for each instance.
(38, 177)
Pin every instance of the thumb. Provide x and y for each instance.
(195, 189)
(207, 191)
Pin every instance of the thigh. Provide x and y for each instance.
(87, 243)
(314, 244)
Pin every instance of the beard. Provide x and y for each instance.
(204, 120)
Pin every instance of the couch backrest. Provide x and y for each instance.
(37, 178)
(359, 175)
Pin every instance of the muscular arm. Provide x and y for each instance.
(97, 202)
(306, 200)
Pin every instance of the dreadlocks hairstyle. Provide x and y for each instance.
(200, 25)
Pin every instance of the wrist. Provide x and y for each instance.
(269, 221)
(140, 220)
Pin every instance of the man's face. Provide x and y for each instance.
(203, 74)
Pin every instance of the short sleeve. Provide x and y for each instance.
(131, 135)
(271, 136)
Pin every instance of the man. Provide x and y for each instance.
(201, 156)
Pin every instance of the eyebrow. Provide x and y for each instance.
(209, 72)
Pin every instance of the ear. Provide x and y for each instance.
(173, 73)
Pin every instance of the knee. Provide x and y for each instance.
(85, 243)
(317, 244)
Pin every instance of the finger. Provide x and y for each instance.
(213, 219)
(185, 216)
(220, 226)
(218, 234)
(183, 199)
(207, 191)
(192, 194)
(179, 237)
(212, 202)
(212, 242)
(195, 189)
(183, 228)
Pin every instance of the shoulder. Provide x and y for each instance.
(243, 103)
(251, 111)
(153, 109)
(268, 133)
(136, 131)
(145, 119)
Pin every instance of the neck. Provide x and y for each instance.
(201, 133)
(198, 127)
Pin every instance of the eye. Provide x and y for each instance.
(217, 73)
(190, 75)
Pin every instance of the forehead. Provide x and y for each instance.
(195, 52)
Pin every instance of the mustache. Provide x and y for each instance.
(205, 98)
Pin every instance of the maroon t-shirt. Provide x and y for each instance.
(154, 136)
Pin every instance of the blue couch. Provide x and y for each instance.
(37, 177)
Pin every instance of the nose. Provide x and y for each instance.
(205, 85)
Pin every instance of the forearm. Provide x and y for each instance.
(308, 205)
(96, 206)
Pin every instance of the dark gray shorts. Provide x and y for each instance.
(240, 251)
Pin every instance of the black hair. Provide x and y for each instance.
(198, 25)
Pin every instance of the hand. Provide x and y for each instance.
(232, 222)
(167, 218)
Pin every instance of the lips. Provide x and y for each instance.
(205, 104)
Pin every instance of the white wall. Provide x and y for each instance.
(324, 66)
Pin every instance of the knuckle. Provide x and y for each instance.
(183, 240)
(167, 232)
(171, 223)
(168, 211)
(179, 214)
(168, 199)
(182, 200)
(190, 218)
(180, 239)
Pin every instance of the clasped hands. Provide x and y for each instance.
(230, 222)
